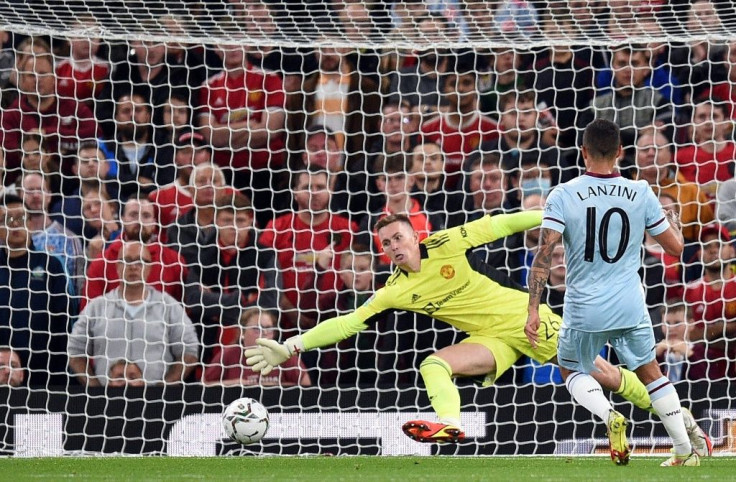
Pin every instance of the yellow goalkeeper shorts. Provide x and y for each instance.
(508, 346)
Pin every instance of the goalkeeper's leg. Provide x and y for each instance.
(465, 359)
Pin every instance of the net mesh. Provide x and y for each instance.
(252, 146)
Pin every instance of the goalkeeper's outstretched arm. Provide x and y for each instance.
(269, 353)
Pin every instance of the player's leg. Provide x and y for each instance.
(577, 352)
(625, 383)
(634, 348)
(475, 356)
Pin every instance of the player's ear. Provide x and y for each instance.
(620, 153)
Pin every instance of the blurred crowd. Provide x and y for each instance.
(165, 204)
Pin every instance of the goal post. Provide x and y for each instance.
(229, 159)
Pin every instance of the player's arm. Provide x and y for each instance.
(538, 276)
(270, 353)
(490, 228)
(671, 239)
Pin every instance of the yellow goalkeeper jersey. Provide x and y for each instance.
(453, 286)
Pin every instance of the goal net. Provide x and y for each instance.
(180, 178)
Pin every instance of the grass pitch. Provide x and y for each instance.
(359, 468)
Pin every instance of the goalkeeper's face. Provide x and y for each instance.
(401, 244)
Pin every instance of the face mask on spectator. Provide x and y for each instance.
(538, 185)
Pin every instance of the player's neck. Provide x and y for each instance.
(603, 168)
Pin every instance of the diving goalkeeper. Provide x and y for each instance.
(441, 278)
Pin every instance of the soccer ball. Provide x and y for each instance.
(245, 420)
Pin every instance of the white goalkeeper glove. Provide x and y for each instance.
(268, 354)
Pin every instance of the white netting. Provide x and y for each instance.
(183, 124)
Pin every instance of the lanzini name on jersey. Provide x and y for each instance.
(608, 190)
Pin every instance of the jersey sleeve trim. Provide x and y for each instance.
(656, 224)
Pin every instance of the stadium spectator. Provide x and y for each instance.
(35, 157)
(241, 115)
(175, 199)
(308, 242)
(710, 156)
(531, 239)
(654, 165)
(166, 271)
(396, 135)
(147, 71)
(516, 20)
(235, 273)
(711, 299)
(12, 373)
(124, 373)
(90, 172)
(64, 122)
(487, 189)
(228, 367)
(359, 362)
(675, 349)
(726, 205)
(478, 19)
(133, 322)
(672, 272)
(196, 228)
(522, 143)
(132, 155)
(7, 62)
(442, 203)
(35, 309)
(462, 129)
(99, 222)
(726, 91)
(563, 81)
(83, 75)
(343, 98)
(396, 184)
(421, 84)
(49, 235)
(630, 103)
(348, 187)
(503, 77)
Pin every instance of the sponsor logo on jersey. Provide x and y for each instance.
(447, 271)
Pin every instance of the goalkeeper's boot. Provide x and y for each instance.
(620, 450)
(432, 432)
(700, 441)
(692, 460)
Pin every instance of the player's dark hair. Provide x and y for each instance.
(392, 218)
(601, 139)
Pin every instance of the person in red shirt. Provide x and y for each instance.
(726, 91)
(308, 242)
(712, 300)
(227, 366)
(63, 121)
(242, 116)
(83, 75)
(396, 183)
(175, 199)
(711, 156)
(462, 129)
(167, 271)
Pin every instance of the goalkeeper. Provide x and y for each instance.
(441, 278)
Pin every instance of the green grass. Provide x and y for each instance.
(359, 468)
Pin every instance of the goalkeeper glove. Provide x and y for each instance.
(268, 354)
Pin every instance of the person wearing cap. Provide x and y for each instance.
(712, 299)
(175, 199)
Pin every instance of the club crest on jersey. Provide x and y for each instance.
(447, 271)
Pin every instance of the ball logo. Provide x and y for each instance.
(447, 271)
